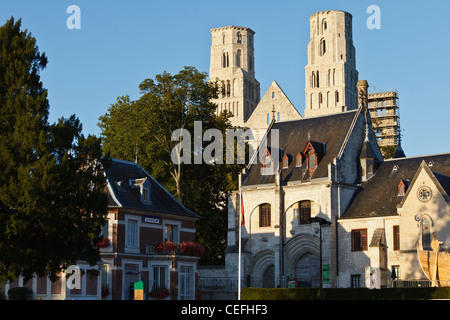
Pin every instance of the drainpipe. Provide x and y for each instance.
(337, 217)
(280, 199)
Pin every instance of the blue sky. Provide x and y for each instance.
(121, 43)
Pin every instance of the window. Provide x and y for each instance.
(298, 160)
(285, 161)
(225, 60)
(323, 47)
(186, 284)
(160, 278)
(359, 240)
(239, 37)
(105, 229)
(278, 116)
(146, 194)
(426, 233)
(132, 236)
(305, 212)
(312, 161)
(337, 97)
(171, 233)
(396, 233)
(356, 281)
(267, 163)
(238, 58)
(105, 268)
(395, 274)
(268, 118)
(264, 215)
(402, 187)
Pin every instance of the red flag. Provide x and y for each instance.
(242, 212)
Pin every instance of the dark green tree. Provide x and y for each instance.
(51, 181)
(144, 128)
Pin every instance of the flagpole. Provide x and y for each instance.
(239, 249)
(241, 208)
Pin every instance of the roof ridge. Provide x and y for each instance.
(415, 157)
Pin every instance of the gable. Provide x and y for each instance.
(275, 104)
(426, 186)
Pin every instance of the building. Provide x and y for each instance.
(149, 237)
(141, 215)
(330, 75)
(323, 207)
(232, 65)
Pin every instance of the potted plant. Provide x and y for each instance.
(103, 243)
(159, 292)
(166, 247)
(191, 248)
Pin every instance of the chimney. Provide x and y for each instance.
(362, 87)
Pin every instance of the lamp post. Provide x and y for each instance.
(321, 222)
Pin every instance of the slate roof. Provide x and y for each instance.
(328, 133)
(378, 196)
(125, 196)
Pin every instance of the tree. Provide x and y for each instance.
(144, 128)
(51, 180)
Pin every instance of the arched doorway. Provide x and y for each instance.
(268, 278)
(307, 270)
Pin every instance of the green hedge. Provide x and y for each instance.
(346, 294)
(18, 293)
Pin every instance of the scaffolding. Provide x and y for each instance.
(385, 115)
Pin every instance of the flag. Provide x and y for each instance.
(242, 211)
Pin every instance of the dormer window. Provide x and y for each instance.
(313, 153)
(312, 161)
(146, 194)
(285, 161)
(143, 187)
(402, 187)
(267, 163)
(298, 160)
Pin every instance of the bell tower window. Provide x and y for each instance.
(322, 47)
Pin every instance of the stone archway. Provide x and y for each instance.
(307, 270)
(303, 259)
(263, 270)
(268, 277)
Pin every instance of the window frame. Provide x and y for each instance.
(396, 237)
(265, 214)
(359, 240)
(304, 212)
(355, 280)
(132, 236)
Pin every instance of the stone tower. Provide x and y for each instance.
(331, 74)
(233, 66)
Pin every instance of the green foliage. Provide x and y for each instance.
(51, 174)
(144, 127)
(346, 294)
(388, 151)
